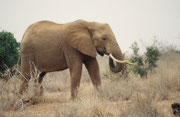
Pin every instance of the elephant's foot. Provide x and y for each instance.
(26, 97)
(23, 102)
(99, 92)
(74, 94)
(31, 100)
(74, 98)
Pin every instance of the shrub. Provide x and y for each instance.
(9, 51)
(152, 56)
(146, 62)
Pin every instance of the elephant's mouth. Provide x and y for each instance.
(101, 51)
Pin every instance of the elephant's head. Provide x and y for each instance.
(92, 37)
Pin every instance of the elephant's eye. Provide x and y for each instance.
(104, 38)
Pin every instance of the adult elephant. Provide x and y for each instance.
(55, 47)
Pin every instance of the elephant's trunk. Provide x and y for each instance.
(118, 55)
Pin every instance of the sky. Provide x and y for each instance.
(130, 20)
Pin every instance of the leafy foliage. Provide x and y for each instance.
(9, 51)
(147, 63)
(152, 56)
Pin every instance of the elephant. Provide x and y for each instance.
(55, 47)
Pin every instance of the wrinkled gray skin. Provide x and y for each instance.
(55, 47)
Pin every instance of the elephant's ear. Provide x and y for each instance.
(81, 40)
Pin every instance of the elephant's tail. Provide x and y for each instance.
(19, 60)
(16, 67)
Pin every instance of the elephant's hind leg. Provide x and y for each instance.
(40, 79)
(25, 79)
(41, 76)
(26, 74)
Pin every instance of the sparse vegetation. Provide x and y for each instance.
(122, 97)
(10, 99)
(8, 93)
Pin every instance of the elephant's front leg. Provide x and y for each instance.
(93, 70)
(75, 72)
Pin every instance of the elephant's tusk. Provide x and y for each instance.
(119, 61)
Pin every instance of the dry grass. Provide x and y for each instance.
(122, 97)
(8, 91)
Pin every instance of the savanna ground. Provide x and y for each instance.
(130, 96)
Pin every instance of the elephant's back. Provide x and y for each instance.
(38, 28)
(41, 44)
(39, 35)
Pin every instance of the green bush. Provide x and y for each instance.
(9, 51)
(152, 56)
(146, 62)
